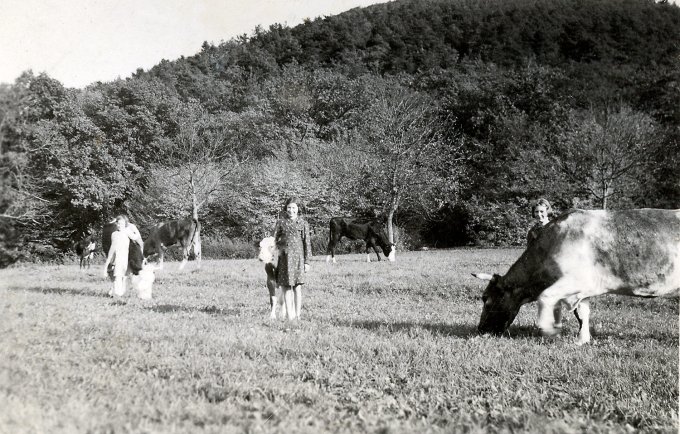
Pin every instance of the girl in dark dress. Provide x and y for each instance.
(295, 251)
(541, 211)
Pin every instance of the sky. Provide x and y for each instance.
(79, 42)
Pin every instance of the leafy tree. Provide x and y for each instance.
(405, 156)
(196, 164)
(600, 151)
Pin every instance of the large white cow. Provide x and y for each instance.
(582, 254)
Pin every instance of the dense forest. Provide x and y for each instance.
(446, 118)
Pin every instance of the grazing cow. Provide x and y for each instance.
(85, 249)
(370, 231)
(582, 254)
(185, 231)
(142, 282)
(135, 256)
(269, 254)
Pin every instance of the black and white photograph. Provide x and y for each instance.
(339, 216)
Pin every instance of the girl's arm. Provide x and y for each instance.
(307, 244)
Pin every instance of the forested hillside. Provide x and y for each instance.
(447, 118)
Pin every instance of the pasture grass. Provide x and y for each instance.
(381, 347)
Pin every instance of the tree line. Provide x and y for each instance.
(444, 118)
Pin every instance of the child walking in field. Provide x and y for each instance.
(119, 252)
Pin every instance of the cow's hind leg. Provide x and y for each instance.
(330, 250)
(582, 313)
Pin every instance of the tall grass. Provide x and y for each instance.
(381, 347)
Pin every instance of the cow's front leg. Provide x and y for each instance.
(161, 255)
(546, 318)
(281, 302)
(271, 287)
(557, 315)
(583, 315)
(185, 258)
(272, 304)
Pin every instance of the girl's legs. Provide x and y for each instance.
(298, 300)
(119, 286)
(289, 296)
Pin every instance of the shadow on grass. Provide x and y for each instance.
(62, 291)
(210, 310)
(440, 329)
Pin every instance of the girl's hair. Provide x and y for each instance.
(541, 202)
(290, 200)
(122, 217)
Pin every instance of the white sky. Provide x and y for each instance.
(79, 42)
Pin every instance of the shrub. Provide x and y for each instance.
(222, 247)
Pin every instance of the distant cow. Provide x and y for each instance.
(582, 254)
(85, 248)
(269, 254)
(135, 257)
(370, 231)
(185, 232)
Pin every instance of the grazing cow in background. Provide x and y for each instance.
(185, 231)
(582, 254)
(370, 231)
(269, 254)
(85, 248)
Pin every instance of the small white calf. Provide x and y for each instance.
(269, 254)
(143, 281)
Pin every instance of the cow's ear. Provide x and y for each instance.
(483, 276)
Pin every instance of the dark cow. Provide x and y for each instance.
(269, 254)
(582, 254)
(185, 231)
(370, 231)
(135, 257)
(85, 248)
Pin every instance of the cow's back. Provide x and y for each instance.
(170, 233)
(107, 231)
(637, 250)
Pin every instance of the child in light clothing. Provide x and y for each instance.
(118, 256)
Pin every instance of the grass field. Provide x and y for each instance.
(380, 348)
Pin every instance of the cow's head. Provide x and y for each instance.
(268, 251)
(390, 250)
(500, 305)
(143, 281)
(383, 241)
